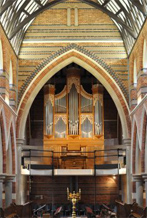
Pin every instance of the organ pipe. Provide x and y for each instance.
(73, 106)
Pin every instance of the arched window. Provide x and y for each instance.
(1, 56)
(1, 152)
(145, 54)
(10, 73)
(135, 73)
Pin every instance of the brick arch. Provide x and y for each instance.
(87, 54)
(52, 67)
(143, 138)
(4, 137)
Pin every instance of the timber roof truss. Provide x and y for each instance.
(17, 15)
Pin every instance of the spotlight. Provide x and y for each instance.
(114, 177)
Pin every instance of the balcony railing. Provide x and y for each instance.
(34, 159)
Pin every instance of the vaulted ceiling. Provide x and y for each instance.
(17, 15)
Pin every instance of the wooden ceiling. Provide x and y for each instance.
(17, 15)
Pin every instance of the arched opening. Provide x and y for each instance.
(10, 74)
(73, 113)
(40, 119)
(135, 73)
(145, 54)
(94, 68)
(1, 55)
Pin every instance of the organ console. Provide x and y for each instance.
(73, 116)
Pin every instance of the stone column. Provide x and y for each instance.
(76, 16)
(144, 176)
(8, 189)
(127, 143)
(139, 189)
(20, 189)
(2, 177)
(68, 16)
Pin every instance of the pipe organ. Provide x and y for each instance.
(73, 118)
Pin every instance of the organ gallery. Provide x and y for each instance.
(73, 116)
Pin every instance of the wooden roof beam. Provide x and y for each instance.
(140, 7)
(6, 6)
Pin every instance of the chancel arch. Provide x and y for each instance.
(57, 64)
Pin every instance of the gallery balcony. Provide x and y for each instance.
(73, 163)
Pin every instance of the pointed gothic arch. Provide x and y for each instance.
(50, 67)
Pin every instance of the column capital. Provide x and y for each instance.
(2, 177)
(127, 142)
(9, 178)
(144, 176)
(20, 141)
(137, 178)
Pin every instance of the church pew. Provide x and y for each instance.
(21, 211)
(10, 211)
(107, 211)
(123, 210)
(137, 211)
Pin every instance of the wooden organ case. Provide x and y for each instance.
(73, 121)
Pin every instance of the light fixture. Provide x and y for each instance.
(114, 177)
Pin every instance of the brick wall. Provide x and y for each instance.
(49, 33)
(47, 190)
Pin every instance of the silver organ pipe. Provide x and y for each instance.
(98, 118)
(90, 112)
(73, 111)
(86, 105)
(49, 118)
(60, 105)
(60, 128)
(86, 128)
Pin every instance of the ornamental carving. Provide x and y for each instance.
(88, 116)
(75, 81)
(51, 98)
(60, 116)
(95, 99)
